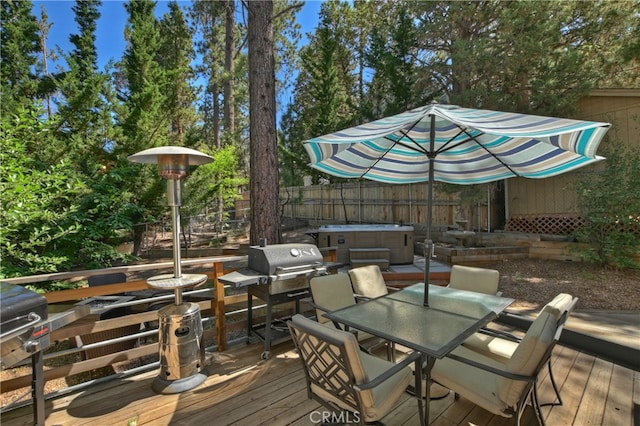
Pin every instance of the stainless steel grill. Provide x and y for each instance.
(25, 331)
(276, 274)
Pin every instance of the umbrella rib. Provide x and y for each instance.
(417, 147)
(472, 138)
(379, 158)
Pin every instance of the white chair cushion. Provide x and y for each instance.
(388, 392)
(526, 358)
(477, 385)
(368, 281)
(469, 278)
(558, 305)
(491, 346)
(331, 292)
(503, 349)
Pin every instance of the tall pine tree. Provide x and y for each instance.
(20, 48)
(143, 120)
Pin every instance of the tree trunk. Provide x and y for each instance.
(228, 90)
(138, 234)
(265, 217)
(217, 141)
(229, 65)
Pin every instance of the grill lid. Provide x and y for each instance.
(275, 258)
(17, 302)
(276, 262)
(25, 326)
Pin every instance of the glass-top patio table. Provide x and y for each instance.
(434, 330)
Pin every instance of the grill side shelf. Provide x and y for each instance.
(243, 278)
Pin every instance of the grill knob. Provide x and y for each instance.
(32, 346)
(294, 252)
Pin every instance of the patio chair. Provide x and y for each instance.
(368, 282)
(342, 377)
(104, 279)
(332, 292)
(502, 386)
(501, 345)
(470, 278)
(114, 333)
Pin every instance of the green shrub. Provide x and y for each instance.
(610, 204)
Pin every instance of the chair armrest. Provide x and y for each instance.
(315, 305)
(361, 297)
(499, 372)
(414, 357)
(335, 323)
(500, 334)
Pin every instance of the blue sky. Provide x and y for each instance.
(110, 32)
(110, 41)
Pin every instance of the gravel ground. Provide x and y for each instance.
(533, 282)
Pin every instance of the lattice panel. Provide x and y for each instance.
(547, 224)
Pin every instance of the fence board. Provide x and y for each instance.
(373, 202)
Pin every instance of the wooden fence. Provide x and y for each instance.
(373, 202)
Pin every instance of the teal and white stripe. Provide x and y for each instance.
(471, 146)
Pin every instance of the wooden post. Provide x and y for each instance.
(218, 303)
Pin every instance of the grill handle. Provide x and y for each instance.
(308, 267)
(32, 319)
(286, 273)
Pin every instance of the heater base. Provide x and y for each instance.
(165, 387)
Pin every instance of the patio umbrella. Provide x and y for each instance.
(456, 145)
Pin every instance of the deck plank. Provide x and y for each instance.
(595, 394)
(619, 407)
(572, 391)
(562, 362)
(269, 386)
(242, 389)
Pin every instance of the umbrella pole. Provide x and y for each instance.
(428, 242)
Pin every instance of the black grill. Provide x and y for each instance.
(278, 262)
(276, 274)
(25, 331)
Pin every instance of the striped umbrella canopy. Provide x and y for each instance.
(448, 143)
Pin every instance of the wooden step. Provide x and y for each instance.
(382, 263)
(370, 256)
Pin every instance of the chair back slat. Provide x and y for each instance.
(331, 292)
(331, 360)
(470, 278)
(368, 281)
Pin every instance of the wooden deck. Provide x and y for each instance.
(241, 389)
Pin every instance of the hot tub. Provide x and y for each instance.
(397, 238)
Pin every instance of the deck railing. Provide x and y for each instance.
(92, 343)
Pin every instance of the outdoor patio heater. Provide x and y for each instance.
(180, 325)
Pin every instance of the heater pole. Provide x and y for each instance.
(174, 199)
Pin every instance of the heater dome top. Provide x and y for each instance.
(150, 156)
